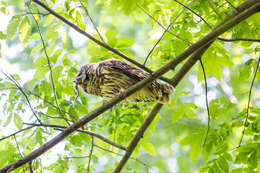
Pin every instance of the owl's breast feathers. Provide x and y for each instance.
(110, 77)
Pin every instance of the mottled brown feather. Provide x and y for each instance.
(110, 77)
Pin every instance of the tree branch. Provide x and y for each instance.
(50, 68)
(206, 100)
(248, 103)
(90, 153)
(60, 128)
(27, 128)
(96, 112)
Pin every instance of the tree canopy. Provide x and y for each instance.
(207, 49)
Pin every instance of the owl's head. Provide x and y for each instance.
(80, 76)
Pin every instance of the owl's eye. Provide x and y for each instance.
(80, 73)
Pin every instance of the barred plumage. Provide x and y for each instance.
(110, 77)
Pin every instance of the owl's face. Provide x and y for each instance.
(80, 76)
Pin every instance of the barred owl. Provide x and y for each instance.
(110, 77)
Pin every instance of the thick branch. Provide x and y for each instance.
(209, 37)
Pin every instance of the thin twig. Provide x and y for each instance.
(213, 8)
(162, 36)
(86, 10)
(248, 103)
(45, 101)
(90, 153)
(50, 68)
(231, 4)
(29, 13)
(76, 157)
(61, 128)
(49, 103)
(219, 29)
(162, 25)
(63, 118)
(18, 148)
(194, 13)
(206, 100)
(146, 165)
(30, 167)
(16, 83)
(19, 131)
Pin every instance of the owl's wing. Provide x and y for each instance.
(124, 68)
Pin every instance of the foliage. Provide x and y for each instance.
(174, 140)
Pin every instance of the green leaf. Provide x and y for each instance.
(41, 61)
(124, 42)
(245, 71)
(55, 56)
(48, 20)
(8, 120)
(195, 148)
(24, 30)
(50, 50)
(36, 49)
(12, 28)
(18, 121)
(57, 72)
(2, 36)
(237, 170)
(177, 113)
(52, 111)
(40, 72)
(223, 164)
(149, 148)
(35, 36)
(38, 137)
(80, 20)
